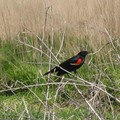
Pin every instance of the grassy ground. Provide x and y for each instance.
(25, 94)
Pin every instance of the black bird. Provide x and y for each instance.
(69, 65)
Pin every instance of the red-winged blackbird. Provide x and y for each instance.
(71, 64)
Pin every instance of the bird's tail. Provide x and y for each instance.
(51, 71)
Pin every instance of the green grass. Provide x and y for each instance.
(16, 107)
(22, 66)
(13, 106)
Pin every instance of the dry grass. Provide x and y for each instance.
(81, 17)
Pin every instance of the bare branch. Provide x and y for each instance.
(88, 103)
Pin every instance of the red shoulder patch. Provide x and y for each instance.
(79, 61)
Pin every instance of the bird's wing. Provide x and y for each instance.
(76, 61)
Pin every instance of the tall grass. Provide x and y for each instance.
(81, 17)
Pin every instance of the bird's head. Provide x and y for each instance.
(83, 53)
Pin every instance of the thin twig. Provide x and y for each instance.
(48, 86)
(102, 47)
(61, 45)
(88, 103)
(55, 97)
(110, 38)
(33, 93)
(43, 44)
(26, 109)
(53, 83)
(21, 116)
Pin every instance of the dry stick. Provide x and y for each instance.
(104, 32)
(45, 20)
(61, 43)
(32, 47)
(64, 83)
(99, 88)
(101, 48)
(104, 74)
(42, 42)
(110, 38)
(43, 84)
(9, 87)
(41, 54)
(109, 102)
(21, 116)
(53, 83)
(119, 56)
(44, 45)
(92, 84)
(32, 93)
(88, 102)
(55, 97)
(44, 30)
(47, 95)
(48, 87)
(26, 109)
(93, 98)
(112, 109)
